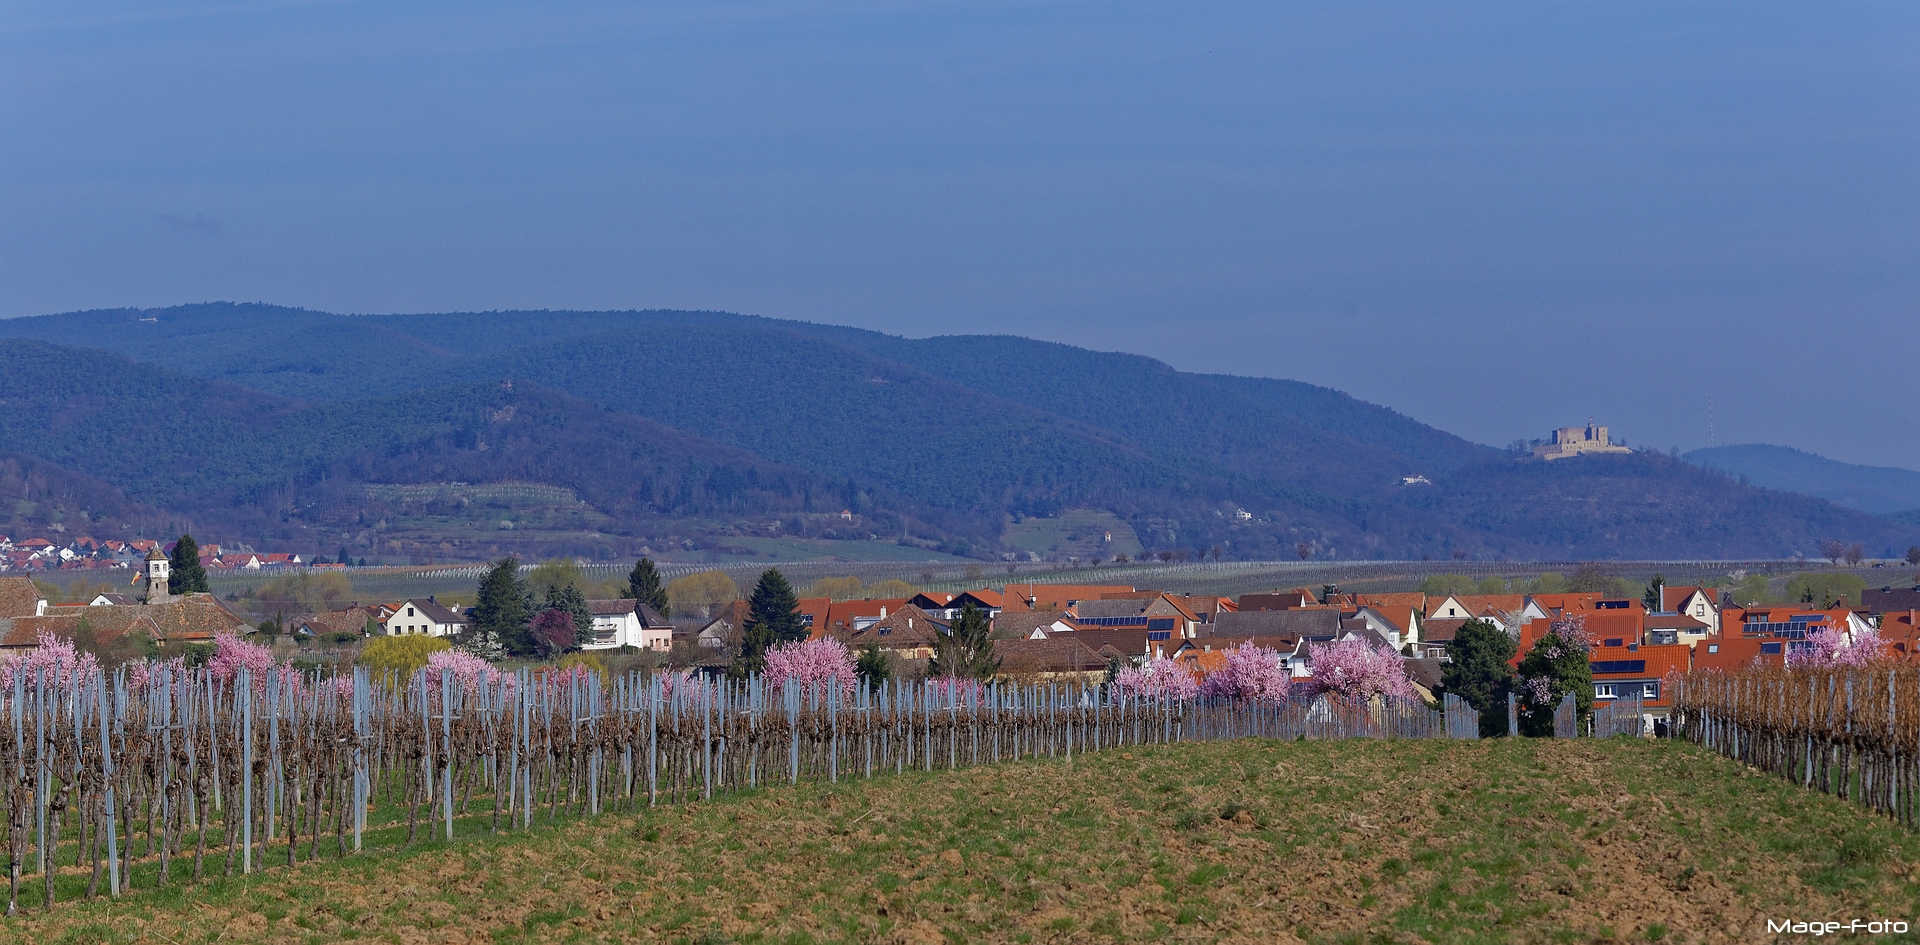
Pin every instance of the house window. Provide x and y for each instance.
(1713, 647)
(1603, 691)
(1650, 690)
(409, 611)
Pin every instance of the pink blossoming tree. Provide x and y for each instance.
(1354, 670)
(56, 663)
(1252, 672)
(812, 665)
(1829, 648)
(1159, 678)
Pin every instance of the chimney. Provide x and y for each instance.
(883, 611)
(1329, 593)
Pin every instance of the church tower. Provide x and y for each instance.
(157, 575)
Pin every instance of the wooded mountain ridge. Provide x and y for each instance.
(677, 427)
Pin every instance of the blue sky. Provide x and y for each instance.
(1496, 217)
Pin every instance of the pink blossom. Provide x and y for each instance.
(468, 670)
(1537, 690)
(690, 686)
(145, 673)
(232, 654)
(1158, 678)
(1828, 648)
(1252, 672)
(1355, 670)
(812, 665)
(55, 661)
(958, 688)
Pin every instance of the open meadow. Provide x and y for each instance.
(1251, 840)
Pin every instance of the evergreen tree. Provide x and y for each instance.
(872, 666)
(965, 651)
(1651, 597)
(501, 614)
(644, 585)
(342, 557)
(574, 601)
(772, 606)
(185, 573)
(755, 640)
(1479, 673)
(1562, 665)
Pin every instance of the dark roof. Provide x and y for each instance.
(906, 627)
(1091, 609)
(1131, 642)
(609, 608)
(1878, 600)
(1440, 631)
(19, 632)
(335, 621)
(1281, 623)
(193, 617)
(1674, 622)
(123, 600)
(432, 610)
(1424, 672)
(1061, 654)
(18, 597)
(1023, 622)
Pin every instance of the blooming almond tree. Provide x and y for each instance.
(56, 663)
(1352, 669)
(812, 665)
(1252, 672)
(1828, 648)
(467, 670)
(232, 654)
(1157, 679)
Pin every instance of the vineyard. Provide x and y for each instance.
(166, 774)
(1850, 732)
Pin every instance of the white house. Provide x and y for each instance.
(618, 623)
(423, 617)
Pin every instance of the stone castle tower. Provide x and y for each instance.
(158, 573)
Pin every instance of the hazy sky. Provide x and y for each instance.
(1496, 217)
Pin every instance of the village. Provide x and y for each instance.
(1079, 633)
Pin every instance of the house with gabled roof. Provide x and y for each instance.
(1639, 670)
(1507, 610)
(908, 632)
(1056, 596)
(1400, 625)
(428, 617)
(19, 597)
(1296, 623)
(627, 622)
(1699, 603)
(1033, 625)
(1063, 658)
(1736, 655)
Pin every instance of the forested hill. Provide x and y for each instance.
(294, 413)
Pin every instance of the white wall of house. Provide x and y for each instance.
(411, 620)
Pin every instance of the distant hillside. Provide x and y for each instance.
(1877, 490)
(282, 418)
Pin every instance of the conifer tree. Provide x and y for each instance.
(1651, 596)
(574, 601)
(872, 666)
(502, 612)
(772, 606)
(185, 573)
(965, 651)
(644, 585)
(1479, 673)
